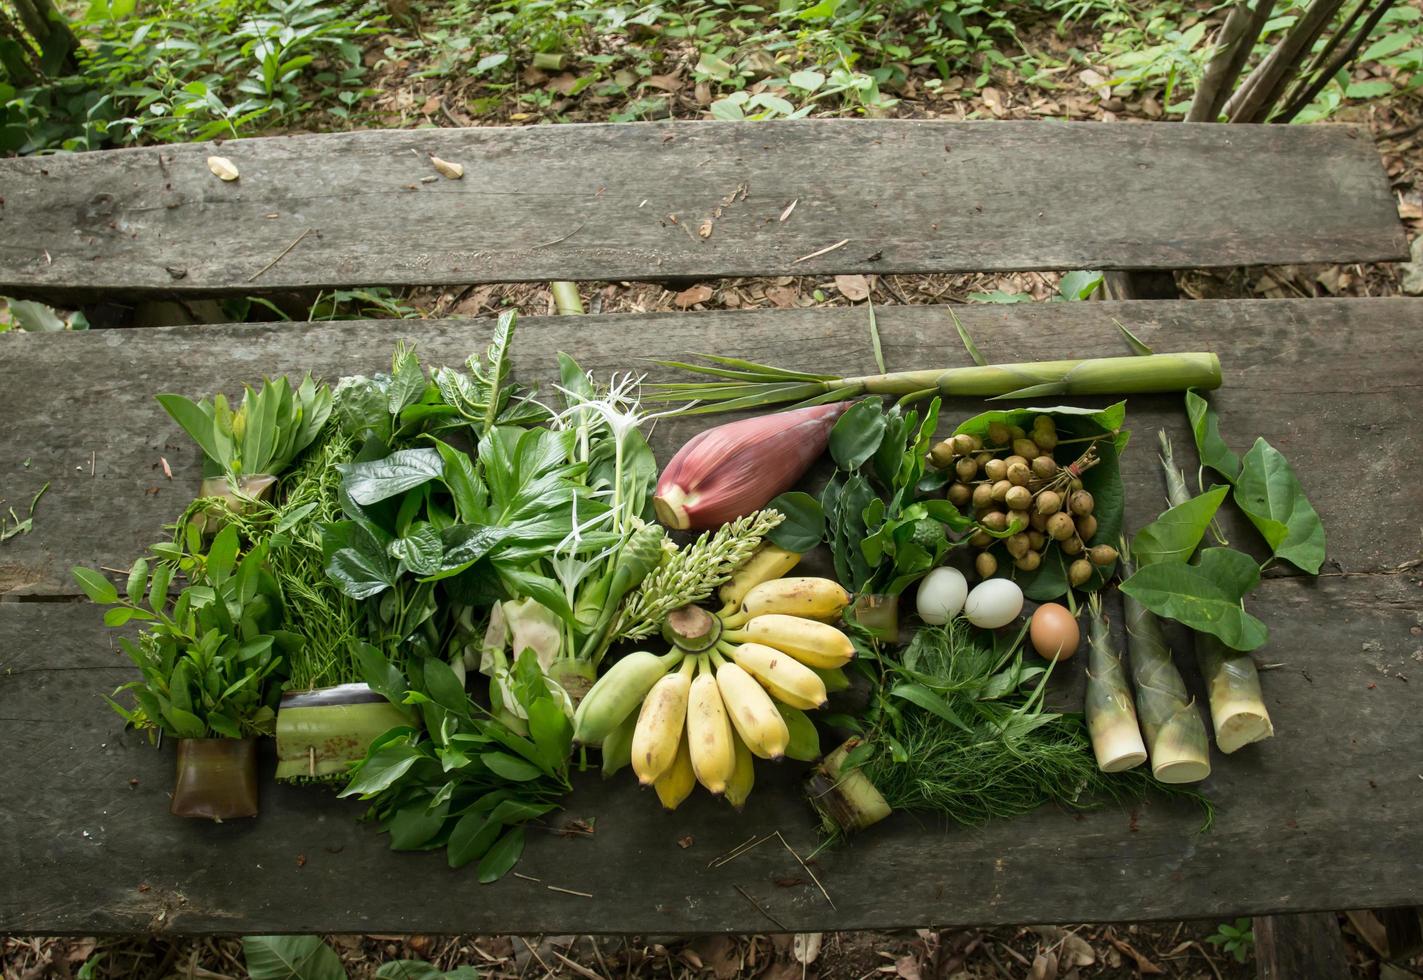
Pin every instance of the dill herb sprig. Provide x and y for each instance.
(690, 574)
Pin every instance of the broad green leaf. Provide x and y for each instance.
(1079, 285)
(472, 836)
(502, 856)
(1205, 426)
(857, 434)
(1387, 45)
(1205, 596)
(34, 317)
(95, 586)
(371, 482)
(933, 703)
(381, 770)
(510, 768)
(444, 686)
(222, 556)
(199, 427)
(137, 581)
(414, 825)
(804, 523)
(420, 550)
(1271, 496)
(806, 79)
(1175, 535)
(291, 958)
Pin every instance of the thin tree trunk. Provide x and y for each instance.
(1303, 98)
(1253, 100)
(26, 63)
(51, 33)
(1232, 50)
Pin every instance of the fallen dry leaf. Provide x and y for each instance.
(1096, 82)
(782, 296)
(667, 83)
(691, 296)
(789, 208)
(223, 167)
(704, 229)
(720, 954)
(907, 966)
(993, 98)
(686, 842)
(1044, 966)
(1143, 964)
(854, 287)
(806, 947)
(453, 171)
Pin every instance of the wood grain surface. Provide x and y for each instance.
(657, 200)
(1322, 816)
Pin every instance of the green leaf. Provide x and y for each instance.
(222, 556)
(1387, 45)
(1137, 345)
(444, 686)
(471, 837)
(1079, 285)
(137, 581)
(291, 958)
(415, 824)
(510, 768)
(382, 769)
(1372, 89)
(34, 317)
(857, 434)
(95, 586)
(407, 380)
(420, 551)
(1175, 535)
(1271, 496)
(199, 427)
(158, 587)
(380, 479)
(804, 523)
(502, 856)
(933, 703)
(1211, 448)
(806, 79)
(968, 344)
(1205, 596)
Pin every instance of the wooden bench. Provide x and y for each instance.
(1324, 816)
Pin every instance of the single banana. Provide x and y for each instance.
(660, 723)
(614, 696)
(804, 745)
(617, 747)
(709, 734)
(813, 644)
(752, 712)
(676, 784)
(786, 678)
(739, 788)
(766, 562)
(812, 598)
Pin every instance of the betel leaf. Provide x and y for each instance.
(1271, 496)
(356, 561)
(857, 434)
(1175, 535)
(420, 551)
(1205, 426)
(502, 856)
(1205, 596)
(804, 522)
(291, 958)
(379, 479)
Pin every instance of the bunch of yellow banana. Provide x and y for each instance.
(735, 686)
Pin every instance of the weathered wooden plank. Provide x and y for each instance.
(629, 201)
(1325, 815)
(1335, 385)
(1307, 945)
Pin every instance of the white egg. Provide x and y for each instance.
(993, 603)
(941, 595)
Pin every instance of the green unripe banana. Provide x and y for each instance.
(617, 746)
(618, 693)
(804, 745)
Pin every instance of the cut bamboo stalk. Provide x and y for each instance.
(1111, 714)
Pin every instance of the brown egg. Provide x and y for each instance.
(1054, 632)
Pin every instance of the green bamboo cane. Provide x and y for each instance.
(1175, 734)
(1238, 711)
(1111, 714)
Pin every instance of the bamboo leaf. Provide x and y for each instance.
(782, 373)
(1033, 391)
(874, 338)
(1133, 341)
(968, 343)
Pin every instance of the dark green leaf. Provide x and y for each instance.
(1205, 426)
(376, 480)
(1175, 535)
(502, 856)
(444, 687)
(1271, 496)
(933, 703)
(222, 556)
(407, 380)
(804, 523)
(510, 768)
(362, 573)
(1205, 596)
(137, 581)
(414, 825)
(471, 837)
(382, 769)
(420, 550)
(857, 434)
(95, 586)
(291, 958)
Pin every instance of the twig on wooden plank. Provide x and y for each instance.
(567, 891)
(828, 248)
(562, 238)
(807, 870)
(518, 874)
(282, 255)
(759, 907)
(739, 851)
